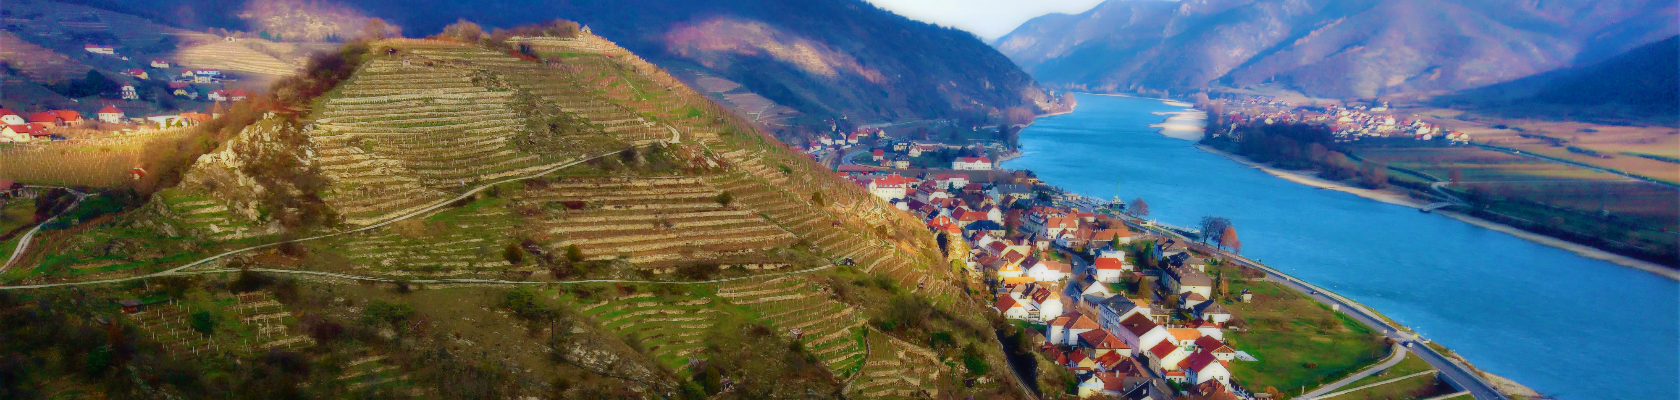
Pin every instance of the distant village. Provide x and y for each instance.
(48, 124)
(1060, 262)
(1347, 123)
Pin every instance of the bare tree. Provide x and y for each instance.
(1211, 225)
(1140, 208)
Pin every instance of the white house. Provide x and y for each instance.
(9, 117)
(890, 187)
(951, 181)
(111, 114)
(1166, 355)
(1204, 366)
(1048, 301)
(160, 63)
(1010, 308)
(1067, 328)
(128, 92)
(1109, 269)
(1049, 271)
(1212, 312)
(972, 164)
(1141, 333)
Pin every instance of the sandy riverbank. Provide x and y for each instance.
(1403, 200)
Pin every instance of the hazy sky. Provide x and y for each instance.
(988, 19)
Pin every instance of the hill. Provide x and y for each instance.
(549, 217)
(827, 59)
(1337, 49)
(1631, 87)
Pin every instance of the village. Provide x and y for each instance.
(1347, 123)
(117, 95)
(1070, 270)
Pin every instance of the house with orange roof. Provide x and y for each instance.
(890, 187)
(1065, 330)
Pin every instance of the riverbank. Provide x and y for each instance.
(1396, 198)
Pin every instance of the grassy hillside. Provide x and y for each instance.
(471, 190)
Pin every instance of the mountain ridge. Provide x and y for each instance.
(1357, 49)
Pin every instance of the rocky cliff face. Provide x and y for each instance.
(1361, 48)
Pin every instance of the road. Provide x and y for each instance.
(1457, 374)
(23, 245)
(1397, 354)
(23, 242)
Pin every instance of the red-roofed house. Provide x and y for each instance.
(1203, 367)
(56, 118)
(1109, 269)
(160, 63)
(22, 133)
(1216, 347)
(890, 187)
(111, 114)
(878, 154)
(1010, 308)
(972, 164)
(9, 117)
(1166, 355)
(137, 73)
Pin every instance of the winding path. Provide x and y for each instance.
(23, 245)
(1395, 356)
(23, 241)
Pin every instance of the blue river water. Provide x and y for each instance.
(1568, 326)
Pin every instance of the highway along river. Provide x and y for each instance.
(1568, 326)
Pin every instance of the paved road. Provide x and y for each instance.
(1397, 354)
(23, 242)
(1459, 375)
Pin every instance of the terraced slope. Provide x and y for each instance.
(670, 329)
(400, 137)
(896, 369)
(828, 329)
(652, 220)
(233, 56)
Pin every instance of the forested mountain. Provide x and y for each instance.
(825, 58)
(1333, 48)
(1644, 82)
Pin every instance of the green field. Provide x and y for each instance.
(1299, 342)
(1415, 387)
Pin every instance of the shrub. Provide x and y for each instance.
(380, 311)
(513, 253)
(203, 322)
(725, 198)
(574, 254)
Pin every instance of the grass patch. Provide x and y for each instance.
(1299, 342)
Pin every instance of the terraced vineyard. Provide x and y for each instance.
(400, 137)
(652, 220)
(233, 56)
(459, 242)
(896, 369)
(669, 328)
(367, 373)
(258, 323)
(830, 330)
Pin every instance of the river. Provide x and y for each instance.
(1567, 326)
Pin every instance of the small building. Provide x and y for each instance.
(22, 133)
(130, 305)
(878, 154)
(111, 114)
(100, 49)
(972, 164)
(10, 117)
(128, 92)
(160, 63)
(137, 73)
(901, 163)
